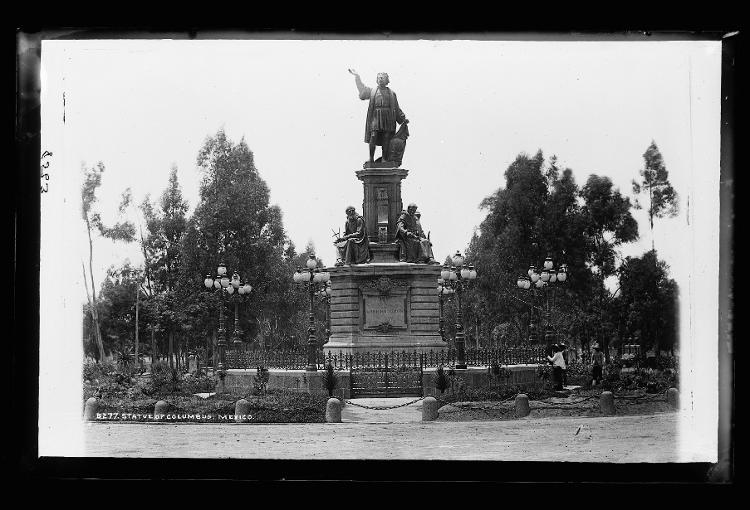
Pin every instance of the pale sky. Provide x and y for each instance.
(473, 106)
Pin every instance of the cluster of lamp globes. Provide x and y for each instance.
(449, 274)
(325, 292)
(548, 275)
(222, 281)
(311, 273)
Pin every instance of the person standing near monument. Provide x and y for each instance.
(597, 360)
(558, 365)
(382, 114)
(353, 245)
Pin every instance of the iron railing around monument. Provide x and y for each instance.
(297, 359)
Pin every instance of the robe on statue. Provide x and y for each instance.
(407, 236)
(382, 113)
(356, 249)
(425, 245)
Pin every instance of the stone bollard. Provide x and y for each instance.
(160, 410)
(607, 403)
(429, 409)
(192, 364)
(333, 410)
(89, 411)
(522, 405)
(242, 411)
(673, 398)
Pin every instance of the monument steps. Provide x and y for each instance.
(345, 314)
(345, 307)
(422, 298)
(354, 328)
(418, 328)
(424, 320)
(424, 313)
(424, 291)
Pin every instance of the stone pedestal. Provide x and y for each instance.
(382, 202)
(384, 252)
(384, 307)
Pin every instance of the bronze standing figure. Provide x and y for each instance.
(383, 112)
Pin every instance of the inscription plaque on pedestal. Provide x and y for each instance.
(384, 313)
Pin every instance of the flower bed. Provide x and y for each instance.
(582, 403)
(124, 394)
(272, 407)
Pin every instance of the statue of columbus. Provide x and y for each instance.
(382, 114)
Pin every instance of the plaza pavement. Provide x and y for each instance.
(399, 434)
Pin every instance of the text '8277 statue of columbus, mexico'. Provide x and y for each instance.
(380, 126)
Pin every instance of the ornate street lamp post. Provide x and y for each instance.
(324, 293)
(314, 278)
(456, 277)
(546, 281)
(235, 291)
(238, 293)
(444, 291)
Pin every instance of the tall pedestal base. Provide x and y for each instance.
(384, 307)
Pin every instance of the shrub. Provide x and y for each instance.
(199, 383)
(164, 379)
(260, 381)
(93, 370)
(107, 380)
(277, 406)
(495, 368)
(578, 369)
(666, 363)
(441, 379)
(544, 372)
(330, 379)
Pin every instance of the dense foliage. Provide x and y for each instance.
(540, 211)
(233, 223)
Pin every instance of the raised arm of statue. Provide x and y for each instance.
(364, 90)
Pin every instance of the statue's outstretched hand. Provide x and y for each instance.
(353, 72)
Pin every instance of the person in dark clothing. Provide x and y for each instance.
(597, 360)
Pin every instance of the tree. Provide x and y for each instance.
(608, 224)
(535, 215)
(116, 307)
(662, 198)
(235, 224)
(648, 301)
(162, 249)
(542, 212)
(166, 226)
(120, 231)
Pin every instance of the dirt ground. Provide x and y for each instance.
(400, 434)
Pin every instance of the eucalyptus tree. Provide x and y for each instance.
(235, 223)
(608, 225)
(663, 200)
(120, 231)
(166, 222)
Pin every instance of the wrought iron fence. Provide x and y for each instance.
(297, 359)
